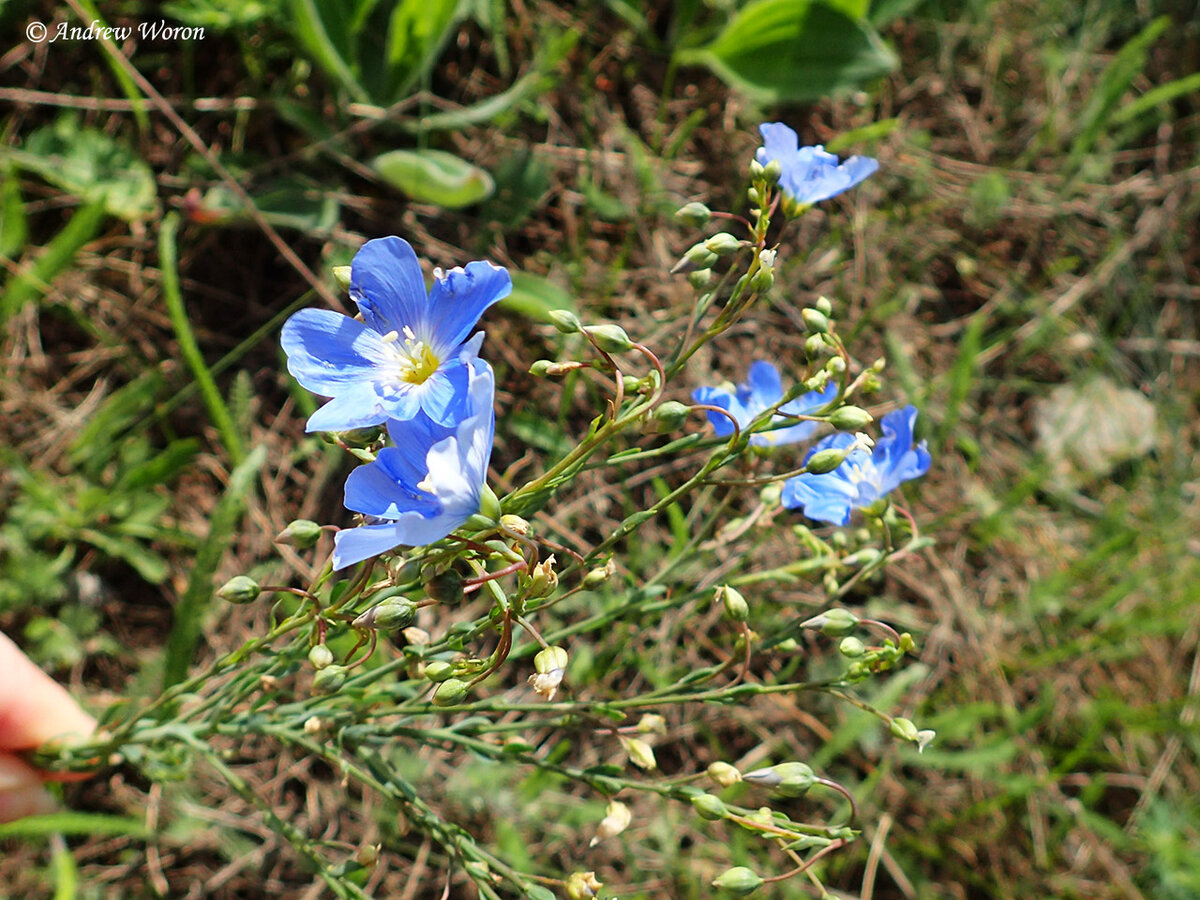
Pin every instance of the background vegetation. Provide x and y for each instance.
(1027, 260)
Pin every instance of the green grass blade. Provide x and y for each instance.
(69, 822)
(127, 86)
(213, 401)
(189, 613)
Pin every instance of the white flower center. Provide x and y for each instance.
(414, 359)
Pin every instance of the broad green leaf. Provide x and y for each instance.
(92, 166)
(434, 176)
(794, 51)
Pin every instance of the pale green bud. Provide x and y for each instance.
(438, 670)
(815, 346)
(330, 679)
(789, 779)
(700, 279)
(756, 170)
(342, 275)
(694, 214)
(824, 306)
(391, 614)
(722, 243)
(851, 647)
(541, 368)
(754, 196)
(302, 534)
(836, 622)
(489, 504)
(723, 774)
(772, 171)
(320, 656)
(736, 607)
(639, 752)
(710, 807)
(825, 461)
(450, 692)
(739, 880)
(836, 366)
(850, 418)
(599, 575)
(549, 659)
(616, 819)
(815, 321)
(565, 321)
(670, 415)
(905, 729)
(609, 338)
(700, 256)
(239, 589)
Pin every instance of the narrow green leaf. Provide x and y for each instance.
(434, 176)
(312, 32)
(189, 613)
(794, 51)
(14, 229)
(67, 822)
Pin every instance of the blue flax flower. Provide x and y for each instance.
(428, 484)
(809, 173)
(407, 355)
(761, 390)
(863, 477)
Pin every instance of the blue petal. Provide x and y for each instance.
(764, 384)
(387, 284)
(356, 406)
(714, 396)
(387, 488)
(894, 456)
(825, 498)
(328, 351)
(444, 395)
(779, 142)
(458, 299)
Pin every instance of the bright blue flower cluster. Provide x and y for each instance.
(408, 364)
(809, 174)
(762, 389)
(863, 478)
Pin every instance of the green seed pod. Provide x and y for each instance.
(850, 418)
(825, 461)
(320, 656)
(565, 321)
(736, 607)
(739, 881)
(330, 679)
(694, 214)
(710, 807)
(239, 589)
(609, 338)
(450, 692)
(302, 534)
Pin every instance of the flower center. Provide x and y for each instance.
(415, 360)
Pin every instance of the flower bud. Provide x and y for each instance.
(815, 321)
(564, 320)
(694, 214)
(789, 779)
(549, 659)
(700, 256)
(824, 306)
(757, 170)
(836, 366)
(652, 723)
(367, 856)
(670, 415)
(616, 819)
(314, 725)
(736, 607)
(418, 637)
(850, 418)
(639, 752)
(836, 622)
(710, 807)
(609, 338)
(754, 195)
(599, 575)
(762, 280)
(700, 279)
(541, 368)
(543, 580)
(515, 524)
(330, 679)
(489, 504)
(438, 670)
(904, 729)
(320, 656)
(582, 886)
(450, 692)
(851, 647)
(723, 774)
(391, 614)
(342, 275)
(815, 346)
(772, 171)
(239, 589)
(722, 243)
(739, 880)
(302, 534)
(825, 461)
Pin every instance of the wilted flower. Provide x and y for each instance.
(409, 355)
(863, 477)
(762, 389)
(809, 174)
(429, 484)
